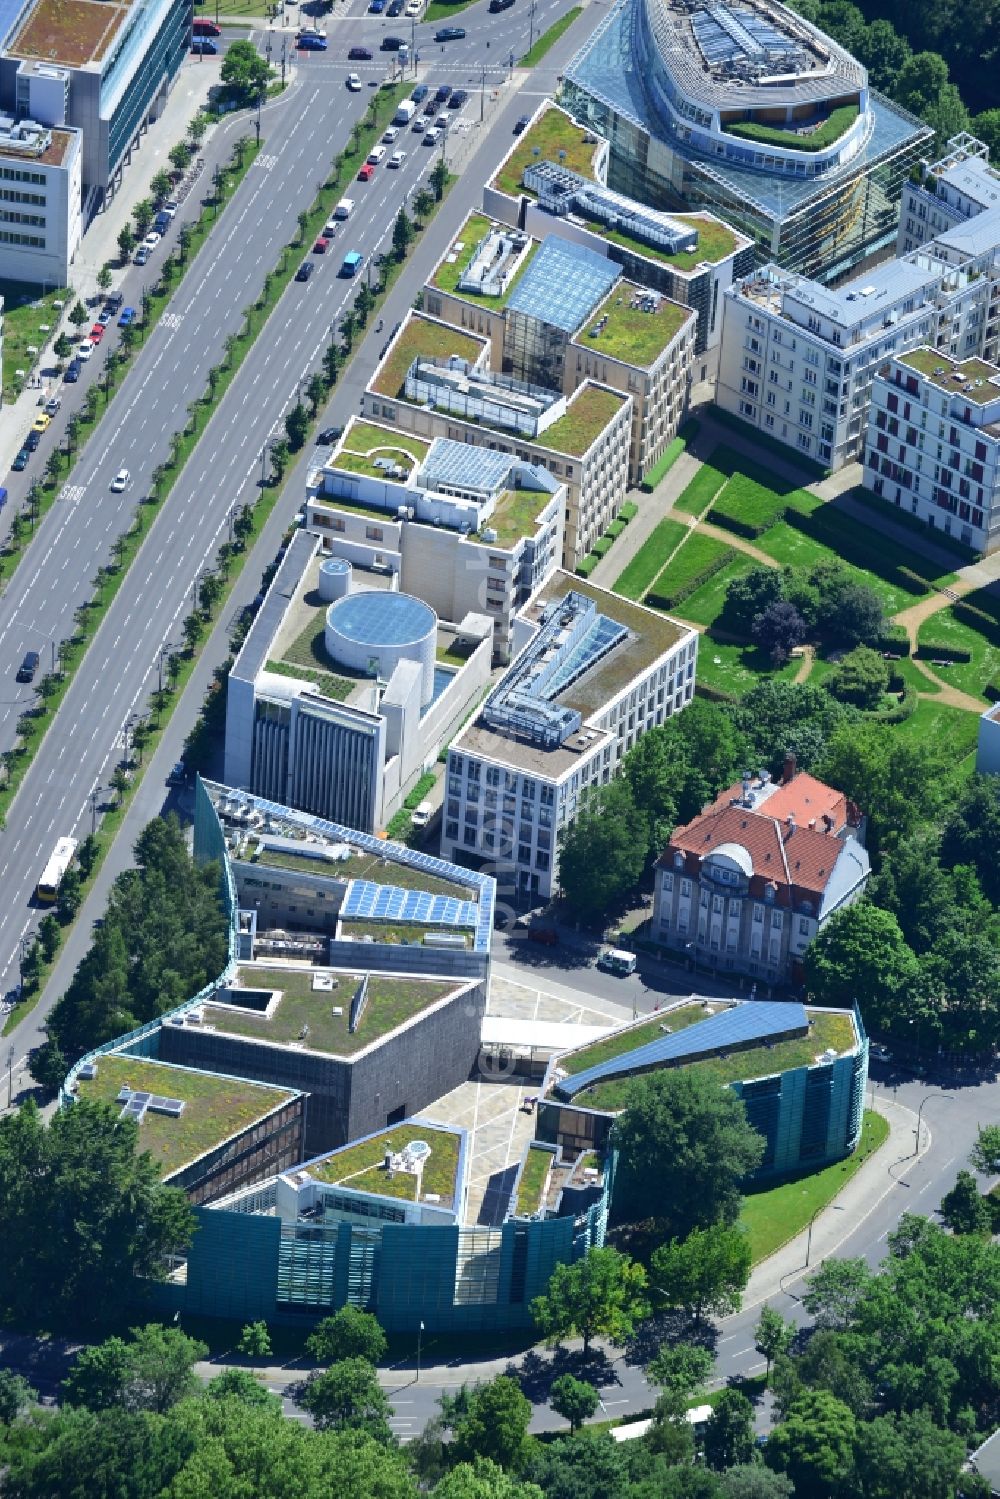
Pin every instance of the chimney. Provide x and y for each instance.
(790, 825)
(747, 799)
(789, 768)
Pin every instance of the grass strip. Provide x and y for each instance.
(633, 581)
(549, 38)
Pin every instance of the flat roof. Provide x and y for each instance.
(360, 1166)
(53, 156)
(716, 242)
(364, 441)
(633, 325)
(346, 862)
(427, 336)
(461, 252)
(551, 132)
(304, 1007)
(588, 412)
(70, 32)
(215, 1107)
(563, 284)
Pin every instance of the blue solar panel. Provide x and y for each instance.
(367, 901)
(563, 284)
(752, 1021)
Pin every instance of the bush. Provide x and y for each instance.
(585, 567)
(932, 650)
(903, 710)
(714, 694)
(628, 512)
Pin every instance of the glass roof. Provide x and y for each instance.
(563, 284)
(377, 617)
(463, 467)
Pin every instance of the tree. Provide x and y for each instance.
(402, 235)
(749, 595)
(423, 203)
(574, 1399)
(331, 362)
(752, 1481)
(729, 1434)
(126, 242)
(483, 1479)
(62, 347)
(255, 1341)
(860, 678)
(986, 127)
(296, 427)
(858, 617)
(963, 1210)
(161, 185)
(680, 1370)
(705, 1272)
(349, 1333)
(495, 1425)
(778, 629)
(600, 1295)
(302, 223)
(814, 1444)
(884, 53)
(70, 896)
(348, 1397)
(603, 852)
(364, 303)
(781, 717)
(179, 156)
(972, 833)
(907, 1457)
(861, 955)
(142, 216)
(99, 1376)
(985, 1154)
(16, 1394)
(78, 315)
(835, 1291)
(439, 180)
(197, 128)
(280, 454)
(315, 391)
(347, 328)
(244, 71)
(49, 936)
(684, 1147)
(104, 278)
(772, 1336)
(191, 629)
(923, 87)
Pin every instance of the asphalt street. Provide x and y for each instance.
(301, 135)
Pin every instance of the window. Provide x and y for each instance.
(685, 887)
(803, 926)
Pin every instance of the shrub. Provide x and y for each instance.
(602, 545)
(714, 694)
(628, 512)
(663, 465)
(586, 566)
(932, 650)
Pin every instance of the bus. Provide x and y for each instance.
(62, 857)
(352, 264)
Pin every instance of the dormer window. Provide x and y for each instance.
(678, 861)
(806, 908)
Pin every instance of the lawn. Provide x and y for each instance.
(701, 490)
(715, 242)
(634, 580)
(944, 628)
(773, 1215)
(331, 686)
(950, 731)
(215, 1107)
(535, 1174)
(309, 651)
(627, 1040)
(697, 553)
(391, 1002)
(756, 504)
(704, 606)
(360, 1166)
(736, 668)
(422, 336)
(585, 418)
(631, 333)
(449, 272)
(24, 313)
(552, 132)
(367, 438)
(837, 123)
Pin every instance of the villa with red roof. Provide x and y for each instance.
(746, 885)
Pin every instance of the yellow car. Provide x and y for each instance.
(41, 422)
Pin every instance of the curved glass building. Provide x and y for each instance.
(748, 110)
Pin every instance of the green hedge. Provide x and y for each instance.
(585, 567)
(662, 466)
(615, 529)
(932, 650)
(714, 694)
(920, 585)
(904, 709)
(628, 512)
(992, 692)
(836, 124)
(978, 619)
(895, 642)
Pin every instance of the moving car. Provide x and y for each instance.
(431, 138)
(390, 135)
(615, 961)
(97, 333)
(392, 43)
(359, 54)
(21, 461)
(879, 1053)
(366, 173)
(204, 46)
(28, 667)
(202, 26)
(375, 156)
(120, 481)
(458, 98)
(321, 246)
(127, 317)
(498, 5)
(521, 123)
(419, 93)
(353, 261)
(396, 159)
(344, 208)
(310, 42)
(354, 83)
(41, 422)
(178, 774)
(450, 34)
(305, 270)
(443, 93)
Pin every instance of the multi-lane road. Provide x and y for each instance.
(302, 132)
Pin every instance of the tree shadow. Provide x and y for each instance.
(668, 1327)
(535, 1373)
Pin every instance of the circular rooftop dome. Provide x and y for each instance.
(737, 854)
(373, 631)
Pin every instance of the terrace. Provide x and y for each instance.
(70, 33)
(817, 136)
(588, 413)
(515, 516)
(637, 326)
(453, 267)
(215, 1107)
(306, 1016)
(361, 1167)
(952, 377)
(400, 933)
(365, 441)
(552, 137)
(422, 336)
(828, 1031)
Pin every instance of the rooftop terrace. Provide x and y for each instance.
(587, 414)
(215, 1107)
(365, 441)
(70, 32)
(360, 1166)
(422, 335)
(363, 866)
(953, 376)
(634, 325)
(515, 516)
(302, 1007)
(298, 649)
(457, 261)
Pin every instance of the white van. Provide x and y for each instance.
(375, 156)
(617, 962)
(422, 814)
(344, 208)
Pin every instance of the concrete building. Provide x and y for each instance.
(750, 111)
(338, 700)
(942, 194)
(746, 886)
(592, 673)
(435, 381)
(466, 530)
(988, 745)
(104, 69)
(40, 201)
(933, 443)
(800, 1072)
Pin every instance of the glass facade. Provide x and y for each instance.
(159, 59)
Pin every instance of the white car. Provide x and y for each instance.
(120, 481)
(152, 239)
(390, 135)
(85, 350)
(354, 83)
(413, 8)
(396, 159)
(376, 156)
(344, 208)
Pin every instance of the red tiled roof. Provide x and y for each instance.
(803, 798)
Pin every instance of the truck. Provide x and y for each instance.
(615, 960)
(405, 112)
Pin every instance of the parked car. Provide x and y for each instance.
(114, 300)
(422, 814)
(72, 374)
(104, 316)
(127, 317)
(41, 422)
(359, 54)
(544, 936)
(450, 34)
(204, 45)
(879, 1053)
(521, 123)
(152, 239)
(21, 461)
(376, 7)
(169, 208)
(395, 8)
(85, 350)
(305, 270)
(97, 333)
(413, 8)
(141, 255)
(32, 440)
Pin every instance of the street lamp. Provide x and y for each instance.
(420, 1334)
(95, 797)
(10, 1077)
(948, 1099)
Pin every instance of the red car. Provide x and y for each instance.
(321, 246)
(97, 333)
(367, 173)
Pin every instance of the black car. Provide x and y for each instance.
(28, 667)
(21, 461)
(32, 440)
(419, 93)
(498, 5)
(392, 43)
(359, 54)
(395, 9)
(521, 123)
(450, 34)
(443, 93)
(328, 435)
(305, 270)
(458, 98)
(72, 374)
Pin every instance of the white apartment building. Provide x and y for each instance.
(466, 530)
(944, 193)
(40, 201)
(933, 443)
(592, 673)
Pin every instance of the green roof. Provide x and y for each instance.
(553, 132)
(215, 1107)
(537, 1165)
(952, 375)
(363, 442)
(630, 333)
(391, 1002)
(632, 1036)
(587, 414)
(449, 272)
(424, 336)
(716, 241)
(360, 1166)
(794, 137)
(365, 866)
(515, 516)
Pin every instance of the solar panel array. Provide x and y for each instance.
(753, 1021)
(462, 467)
(367, 901)
(563, 284)
(136, 1103)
